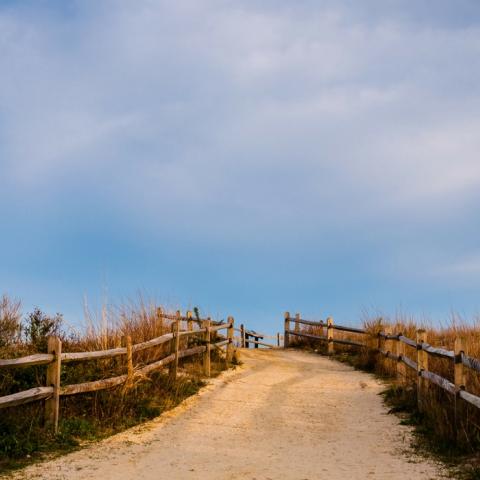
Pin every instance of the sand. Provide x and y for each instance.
(281, 415)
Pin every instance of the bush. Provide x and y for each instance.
(92, 415)
(39, 327)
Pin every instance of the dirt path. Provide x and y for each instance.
(283, 415)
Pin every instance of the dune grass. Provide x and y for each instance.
(89, 416)
(447, 426)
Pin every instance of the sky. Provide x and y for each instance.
(245, 157)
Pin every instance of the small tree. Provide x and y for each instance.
(39, 327)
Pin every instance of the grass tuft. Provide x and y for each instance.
(447, 427)
(90, 416)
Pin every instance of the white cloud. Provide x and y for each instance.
(470, 265)
(309, 115)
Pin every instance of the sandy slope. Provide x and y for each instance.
(283, 415)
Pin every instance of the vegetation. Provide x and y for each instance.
(89, 416)
(447, 426)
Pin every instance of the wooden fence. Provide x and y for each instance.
(248, 337)
(392, 345)
(54, 359)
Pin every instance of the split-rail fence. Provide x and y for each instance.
(392, 345)
(257, 339)
(54, 359)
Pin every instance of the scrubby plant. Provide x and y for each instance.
(451, 420)
(39, 326)
(91, 415)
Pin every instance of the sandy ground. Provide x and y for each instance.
(282, 415)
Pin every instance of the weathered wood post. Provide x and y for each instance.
(387, 346)
(52, 405)
(206, 356)
(459, 378)
(297, 327)
(242, 335)
(422, 364)
(278, 339)
(401, 367)
(286, 337)
(371, 343)
(256, 344)
(459, 372)
(159, 321)
(189, 321)
(117, 343)
(127, 342)
(379, 337)
(330, 330)
(174, 348)
(230, 346)
(178, 317)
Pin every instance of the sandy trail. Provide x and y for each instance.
(282, 415)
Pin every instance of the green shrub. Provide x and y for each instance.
(39, 327)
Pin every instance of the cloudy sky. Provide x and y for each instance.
(248, 157)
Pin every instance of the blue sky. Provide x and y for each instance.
(246, 157)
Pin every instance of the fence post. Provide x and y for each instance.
(242, 336)
(174, 348)
(401, 367)
(422, 364)
(278, 339)
(230, 346)
(178, 315)
(330, 330)
(388, 331)
(286, 338)
(379, 337)
(52, 405)
(127, 342)
(371, 343)
(297, 326)
(387, 346)
(159, 322)
(189, 321)
(459, 368)
(459, 378)
(206, 355)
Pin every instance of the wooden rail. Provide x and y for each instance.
(37, 359)
(306, 335)
(398, 341)
(258, 342)
(53, 360)
(248, 337)
(26, 396)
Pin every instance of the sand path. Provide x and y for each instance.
(282, 415)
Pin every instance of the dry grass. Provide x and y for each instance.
(453, 423)
(91, 415)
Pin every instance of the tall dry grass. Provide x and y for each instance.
(97, 414)
(452, 421)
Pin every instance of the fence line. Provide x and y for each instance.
(55, 357)
(251, 336)
(397, 353)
